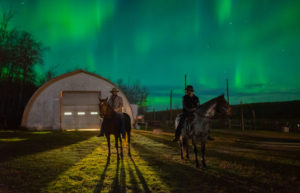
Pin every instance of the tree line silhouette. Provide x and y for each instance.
(19, 53)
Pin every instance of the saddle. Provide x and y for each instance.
(187, 122)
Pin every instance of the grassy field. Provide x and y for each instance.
(76, 161)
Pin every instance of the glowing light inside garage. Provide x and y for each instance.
(81, 113)
(94, 113)
(68, 113)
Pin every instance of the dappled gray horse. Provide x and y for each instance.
(197, 126)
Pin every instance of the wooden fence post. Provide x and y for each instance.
(242, 117)
(171, 109)
(254, 120)
(227, 88)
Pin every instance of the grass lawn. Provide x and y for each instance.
(76, 161)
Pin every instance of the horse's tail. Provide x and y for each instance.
(128, 130)
(177, 120)
(127, 126)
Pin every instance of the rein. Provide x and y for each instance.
(206, 117)
(201, 115)
(107, 114)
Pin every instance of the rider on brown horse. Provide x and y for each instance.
(116, 102)
(190, 103)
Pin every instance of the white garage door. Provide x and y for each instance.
(80, 110)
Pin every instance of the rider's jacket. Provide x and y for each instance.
(116, 102)
(190, 103)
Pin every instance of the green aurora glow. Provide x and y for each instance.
(255, 44)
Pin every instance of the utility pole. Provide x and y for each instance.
(254, 120)
(171, 113)
(242, 117)
(185, 81)
(154, 114)
(227, 90)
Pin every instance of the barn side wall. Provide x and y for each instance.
(45, 109)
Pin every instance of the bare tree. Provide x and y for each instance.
(135, 93)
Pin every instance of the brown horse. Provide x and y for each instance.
(112, 126)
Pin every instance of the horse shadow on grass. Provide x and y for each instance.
(119, 182)
(140, 176)
(99, 186)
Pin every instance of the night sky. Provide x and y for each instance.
(253, 43)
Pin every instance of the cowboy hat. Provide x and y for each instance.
(189, 88)
(114, 90)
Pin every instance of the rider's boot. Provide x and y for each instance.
(101, 132)
(177, 133)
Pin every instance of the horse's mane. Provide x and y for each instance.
(203, 108)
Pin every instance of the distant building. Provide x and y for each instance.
(70, 101)
(134, 109)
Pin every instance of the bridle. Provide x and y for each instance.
(106, 114)
(207, 117)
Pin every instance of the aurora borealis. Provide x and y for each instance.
(255, 44)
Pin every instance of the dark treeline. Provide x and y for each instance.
(19, 53)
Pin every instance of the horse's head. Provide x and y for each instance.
(222, 106)
(104, 107)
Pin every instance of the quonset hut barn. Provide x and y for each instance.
(69, 101)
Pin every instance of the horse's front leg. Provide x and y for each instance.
(116, 145)
(108, 143)
(181, 149)
(203, 154)
(128, 143)
(185, 147)
(121, 146)
(186, 144)
(196, 152)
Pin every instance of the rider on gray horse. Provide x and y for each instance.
(190, 103)
(116, 102)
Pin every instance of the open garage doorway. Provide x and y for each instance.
(80, 110)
